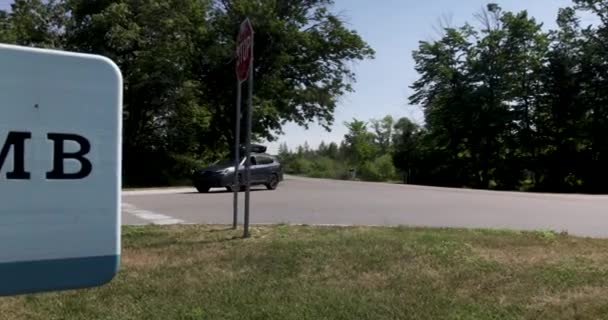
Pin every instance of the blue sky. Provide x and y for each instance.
(393, 28)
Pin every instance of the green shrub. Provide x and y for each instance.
(386, 168)
(323, 167)
(298, 166)
(316, 167)
(381, 169)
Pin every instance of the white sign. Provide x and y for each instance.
(60, 170)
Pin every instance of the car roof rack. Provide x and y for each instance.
(255, 148)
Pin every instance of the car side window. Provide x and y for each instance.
(264, 160)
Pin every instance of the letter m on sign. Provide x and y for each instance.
(15, 141)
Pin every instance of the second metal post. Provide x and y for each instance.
(237, 156)
(248, 143)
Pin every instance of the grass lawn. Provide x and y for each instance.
(288, 272)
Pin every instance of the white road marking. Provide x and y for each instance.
(148, 192)
(152, 217)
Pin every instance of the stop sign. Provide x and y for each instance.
(244, 50)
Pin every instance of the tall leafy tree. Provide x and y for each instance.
(7, 32)
(594, 68)
(407, 153)
(333, 151)
(302, 55)
(560, 116)
(165, 119)
(482, 93)
(34, 23)
(524, 50)
(177, 59)
(383, 129)
(359, 143)
(444, 91)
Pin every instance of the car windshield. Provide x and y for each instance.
(225, 162)
(228, 161)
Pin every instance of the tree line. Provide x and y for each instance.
(177, 61)
(366, 153)
(511, 106)
(507, 106)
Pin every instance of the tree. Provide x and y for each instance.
(35, 23)
(445, 93)
(489, 131)
(383, 130)
(507, 105)
(322, 149)
(167, 123)
(7, 32)
(333, 151)
(481, 90)
(560, 115)
(594, 95)
(407, 155)
(177, 61)
(284, 152)
(379, 169)
(303, 53)
(359, 143)
(307, 150)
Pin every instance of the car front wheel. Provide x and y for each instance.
(273, 182)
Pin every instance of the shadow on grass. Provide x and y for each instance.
(212, 241)
(168, 242)
(220, 230)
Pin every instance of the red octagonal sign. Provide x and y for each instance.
(244, 50)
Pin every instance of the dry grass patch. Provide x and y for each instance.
(569, 297)
(301, 272)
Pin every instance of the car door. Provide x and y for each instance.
(254, 170)
(263, 168)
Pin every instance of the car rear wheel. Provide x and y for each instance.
(273, 182)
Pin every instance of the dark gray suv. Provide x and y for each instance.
(265, 170)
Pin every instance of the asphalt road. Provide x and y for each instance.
(316, 201)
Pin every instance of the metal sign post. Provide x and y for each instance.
(244, 70)
(237, 157)
(248, 142)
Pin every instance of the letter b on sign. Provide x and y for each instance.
(59, 156)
